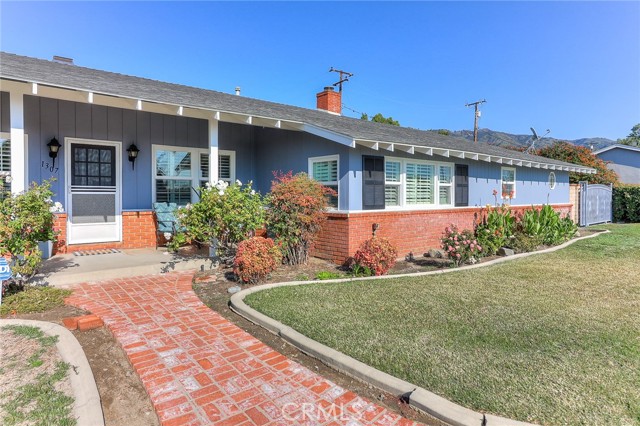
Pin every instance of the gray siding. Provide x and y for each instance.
(5, 123)
(47, 118)
(625, 162)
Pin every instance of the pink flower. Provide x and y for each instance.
(458, 255)
(472, 246)
(479, 248)
(450, 248)
(455, 238)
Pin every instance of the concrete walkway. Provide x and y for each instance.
(200, 369)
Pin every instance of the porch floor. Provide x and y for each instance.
(64, 270)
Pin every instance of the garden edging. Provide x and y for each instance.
(87, 409)
(419, 398)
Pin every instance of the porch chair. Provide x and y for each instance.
(165, 219)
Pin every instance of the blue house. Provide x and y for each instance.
(624, 160)
(127, 142)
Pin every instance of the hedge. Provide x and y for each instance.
(626, 203)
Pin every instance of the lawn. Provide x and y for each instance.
(551, 339)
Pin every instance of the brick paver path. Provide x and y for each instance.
(200, 369)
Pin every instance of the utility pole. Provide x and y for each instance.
(477, 116)
(342, 77)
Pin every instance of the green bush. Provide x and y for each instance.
(495, 229)
(328, 275)
(226, 214)
(376, 255)
(626, 203)
(255, 259)
(296, 214)
(34, 299)
(26, 219)
(547, 225)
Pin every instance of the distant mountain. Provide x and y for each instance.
(493, 137)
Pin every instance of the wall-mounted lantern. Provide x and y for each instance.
(133, 154)
(54, 147)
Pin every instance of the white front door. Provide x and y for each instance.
(92, 175)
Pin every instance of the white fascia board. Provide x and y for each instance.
(527, 163)
(458, 154)
(327, 134)
(508, 161)
(497, 159)
(472, 156)
(535, 165)
(368, 144)
(519, 163)
(486, 158)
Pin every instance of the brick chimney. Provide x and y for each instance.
(330, 101)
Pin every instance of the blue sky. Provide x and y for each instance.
(572, 67)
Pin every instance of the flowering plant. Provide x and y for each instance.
(226, 213)
(377, 255)
(26, 219)
(460, 246)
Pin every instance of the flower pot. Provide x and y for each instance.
(46, 247)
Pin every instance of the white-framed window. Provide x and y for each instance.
(227, 166)
(392, 183)
(178, 171)
(508, 182)
(326, 170)
(417, 183)
(552, 180)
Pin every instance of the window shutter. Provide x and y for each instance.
(462, 185)
(372, 182)
(224, 167)
(204, 165)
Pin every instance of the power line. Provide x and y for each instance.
(476, 117)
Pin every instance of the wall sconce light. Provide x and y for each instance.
(133, 154)
(54, 147)
(374, 228)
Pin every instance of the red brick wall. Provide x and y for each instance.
(415, 231)
(138, 231)
(329, 100)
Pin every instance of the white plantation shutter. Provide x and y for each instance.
(5, 163)
(204, 165)
(392, 179)
(224, 167)
(325, 171)
(419, 183)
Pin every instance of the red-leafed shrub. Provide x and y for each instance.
(256, 258)
(565, 151)
(296, 213)
(376, 255)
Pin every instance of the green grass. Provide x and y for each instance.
(38, 403)
(33, 299)
(552, 339)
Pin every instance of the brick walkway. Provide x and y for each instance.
(200, 369)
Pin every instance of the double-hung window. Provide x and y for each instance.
(179, 171)
(325, 170)
(416, 183)
(508, 180)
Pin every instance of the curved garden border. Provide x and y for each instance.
(86, 406)
(419, 398)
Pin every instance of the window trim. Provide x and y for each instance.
(195, 178)
(515, 181)
(555, 181)
(331, 157)
(436, 193)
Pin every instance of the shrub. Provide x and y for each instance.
(296, 214)
(377, 255)
(26, 219)
(546, 225)
(495, 229)
(626, 203)
(524, 243)
(255, 259)
(565, 151)
(460, 246)
(34, 299)
(328, 275)
(226, 214)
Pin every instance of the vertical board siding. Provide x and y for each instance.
(46, 118)
(5, 123)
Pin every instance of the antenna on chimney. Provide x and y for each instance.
(342, 78)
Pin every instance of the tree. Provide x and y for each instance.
(379, 118)
(565, 151)
(634, 137)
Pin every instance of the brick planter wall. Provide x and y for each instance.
(138, 231)
(416, 231)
